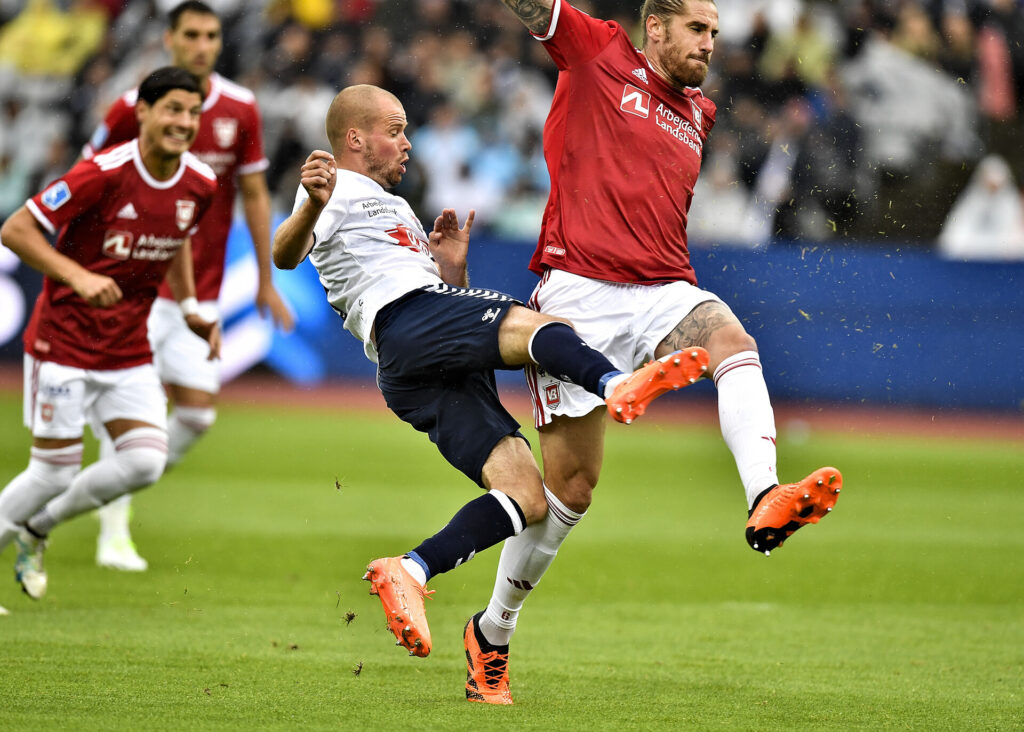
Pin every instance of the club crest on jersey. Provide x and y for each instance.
(184, 213)
(697, 114)
(118, 244)
(635, 101)
(225, 131)
(46, 412)
(56, 195)
(552, 396)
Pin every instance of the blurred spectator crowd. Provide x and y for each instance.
(848, 120)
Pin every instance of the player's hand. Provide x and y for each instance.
(209, 331)
(449, 244)
(98, 290)
(318, 176)
(269, 300)
(448, 241)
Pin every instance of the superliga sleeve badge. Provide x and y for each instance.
(56, 195)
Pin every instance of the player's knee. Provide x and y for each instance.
(54, 468)
(142, 456)
(195, 419)
(575, 490)
(578, 496)
(142, 466)
(728, 341)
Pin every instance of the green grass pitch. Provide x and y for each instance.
(903, 610)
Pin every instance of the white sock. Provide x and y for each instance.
(49, 473)
(114, 517)
(185, 426)
(748, 421)
(524, 560)
(141, 455)
(613, 382)
(413, 567)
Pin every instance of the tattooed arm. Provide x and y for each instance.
(535, 14)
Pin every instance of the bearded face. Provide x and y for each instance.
(681, 46)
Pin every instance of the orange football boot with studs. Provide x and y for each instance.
(630, 398)
(402, 598)
(781, 510)
(486, 672)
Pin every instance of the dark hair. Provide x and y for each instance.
(189, 6)
(156, 85)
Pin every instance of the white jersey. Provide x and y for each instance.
(369, 249)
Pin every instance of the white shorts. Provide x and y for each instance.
(624, 322)
(60, 399)
(180, 356)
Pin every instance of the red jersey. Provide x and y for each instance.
(623, 150)
(114, 219)
(230, 140)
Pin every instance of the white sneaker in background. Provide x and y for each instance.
(119, 553)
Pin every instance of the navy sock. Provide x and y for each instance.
(558, 350)
(479, 525)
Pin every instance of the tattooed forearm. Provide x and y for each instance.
(696, 328)
(535, 14)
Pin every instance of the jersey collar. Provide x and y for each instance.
(148, 178)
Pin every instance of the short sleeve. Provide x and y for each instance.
(68, 197)
(252, 158)
(574, 37)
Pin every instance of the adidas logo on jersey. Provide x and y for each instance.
(127, 212)
(641, 74)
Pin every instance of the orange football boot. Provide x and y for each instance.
(486, 673)
(630, 398)
(781, 510)
(402, 598)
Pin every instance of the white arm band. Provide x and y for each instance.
(189, 306)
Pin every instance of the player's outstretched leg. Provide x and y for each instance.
(783, 509)
(630, 398)
(402, 598)
(28, 563)
(486, 667)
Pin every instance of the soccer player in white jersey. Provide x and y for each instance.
(404, 293)
(123, 221)
(230, 140)
(623, 144)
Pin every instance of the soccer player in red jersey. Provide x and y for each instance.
(229, 141)
(123, 222)
(623, 144)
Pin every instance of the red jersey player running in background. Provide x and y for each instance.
(623, 144)
(124, 219)
(229, 141)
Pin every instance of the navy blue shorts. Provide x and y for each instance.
(437, 350)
